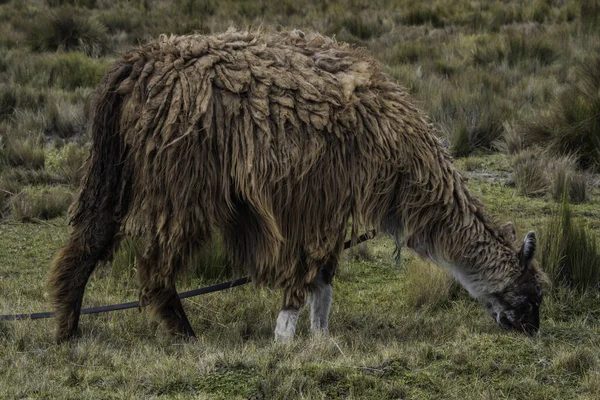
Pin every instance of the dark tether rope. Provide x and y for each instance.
(196, 292)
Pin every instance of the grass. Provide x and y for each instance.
(574, 127)
(514, 76)
(570, 251)
(68, 29)
(443, 351)
(48, 203)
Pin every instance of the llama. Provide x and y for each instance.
(277, 141)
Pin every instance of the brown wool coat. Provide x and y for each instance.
(277, 141)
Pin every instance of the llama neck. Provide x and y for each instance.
(478, 255)
(455, 232)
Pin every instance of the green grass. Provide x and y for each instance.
(447, 350)
(507, 76)
(571, 251)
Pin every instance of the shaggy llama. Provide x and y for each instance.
(277, 141)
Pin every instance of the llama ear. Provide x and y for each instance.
(528, 249)
(509, 231)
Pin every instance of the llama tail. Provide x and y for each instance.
(98, 210)
(103, 186)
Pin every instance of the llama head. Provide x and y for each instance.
(517, 306)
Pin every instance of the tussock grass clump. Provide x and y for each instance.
(573, 125)
(35, 204)
(570, 253)
(536, 176)
(22, 152)
(512, 141)
(361, 28)
(472, 164)
(8, 188)
(14, 97)
(67, 29)
(514, 49)
(70, 161)
(33, 177)
(74, 70)
(564, 178)
(470, 112)
(530, 178)
(589, 11)
(63, 120)
(426, 285)
(77, 3)
(423, 14)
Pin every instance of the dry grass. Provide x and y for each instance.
(34, 204)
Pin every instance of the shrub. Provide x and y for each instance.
(569, 251)
(68, 30)
(34, 204)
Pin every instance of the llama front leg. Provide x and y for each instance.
(320, 297)
(288, 316)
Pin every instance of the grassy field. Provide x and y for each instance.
(513, 89)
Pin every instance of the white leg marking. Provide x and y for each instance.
(320, 304)
(286, 325)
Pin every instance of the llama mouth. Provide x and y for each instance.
(503, 321)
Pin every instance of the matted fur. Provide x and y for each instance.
(278, 141)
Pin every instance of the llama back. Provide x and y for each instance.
(277, 140)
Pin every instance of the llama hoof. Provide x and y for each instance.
(63, 337)
(284, 339)
(319, 332)
(286, 325)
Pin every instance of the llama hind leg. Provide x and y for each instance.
(320, 297)
(160, 294)
(71, 270)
